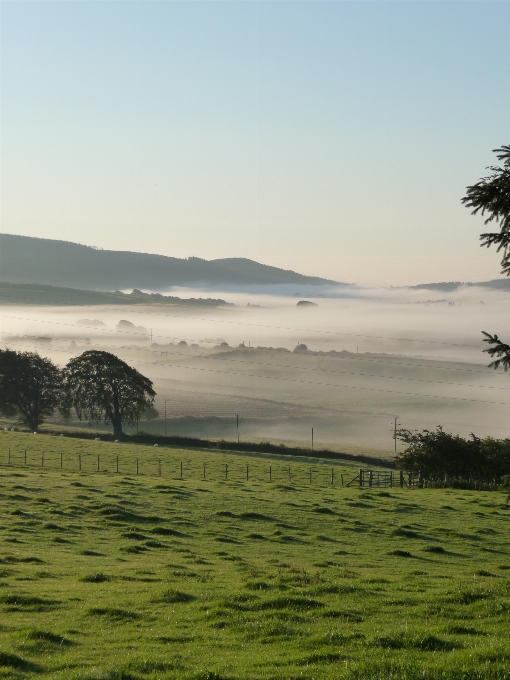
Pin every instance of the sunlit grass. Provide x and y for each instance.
(125, 576)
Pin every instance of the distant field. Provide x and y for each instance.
(107, 576)
(370, 361)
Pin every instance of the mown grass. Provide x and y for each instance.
(123, 577)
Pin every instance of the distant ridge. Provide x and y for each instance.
(449, 286)
(41, 294)
(24, 259)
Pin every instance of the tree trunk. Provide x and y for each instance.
(117, 430)
(31, 420)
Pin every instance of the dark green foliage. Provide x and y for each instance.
(491, 196)
(30, 386)
(102, 387)
(440, 456)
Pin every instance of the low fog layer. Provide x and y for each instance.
(369, 355)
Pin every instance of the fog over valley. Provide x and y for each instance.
(346, 365)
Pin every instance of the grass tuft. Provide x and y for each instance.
(113, 613)
(172, 596)
(400, 553)
(96, 578)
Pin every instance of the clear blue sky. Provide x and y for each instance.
(333, 138)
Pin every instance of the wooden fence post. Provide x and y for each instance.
(137, 466)
(25, 456)
(361, 477)
(117, 464)
(332, 475)
(98, 462)
(401, 479)
(204, 470)
(61, 460)
(79, 462)
(9, 457)
(42, 459)
(181, 469)
(270, 474)
(159, 471)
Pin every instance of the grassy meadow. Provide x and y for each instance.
(107, 576)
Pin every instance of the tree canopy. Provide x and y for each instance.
(491, 196)
(436, 454)
(30, 386)
(102, 387)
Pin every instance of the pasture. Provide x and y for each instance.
(119, 576)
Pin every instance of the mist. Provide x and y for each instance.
(370, 356)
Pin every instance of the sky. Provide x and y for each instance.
(332, 138)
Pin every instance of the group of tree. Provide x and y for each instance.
(97, 386)
(440, 457)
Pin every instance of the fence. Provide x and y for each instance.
(209, 466)
(203, 467)
(382, 478)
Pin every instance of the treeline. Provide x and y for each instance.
(97, 386)
(442, 458)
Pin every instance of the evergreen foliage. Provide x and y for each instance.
(491, 196)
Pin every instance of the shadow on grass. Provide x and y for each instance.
(8, 660)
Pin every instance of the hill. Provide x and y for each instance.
(219, 572)
(38, 294)
(449, 286)
(24, 259)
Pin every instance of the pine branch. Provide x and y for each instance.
(500, 350)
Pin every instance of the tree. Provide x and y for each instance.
(30, 385)
(150, 413)
(102, 387)
(438, 454)
(491, 196)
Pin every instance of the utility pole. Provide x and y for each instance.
(165, 414)
(312, 438)
(237, 426)
(395, 424)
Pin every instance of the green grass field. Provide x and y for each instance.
(123, 576)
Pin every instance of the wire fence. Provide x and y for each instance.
(179, 468)
(214, 468)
